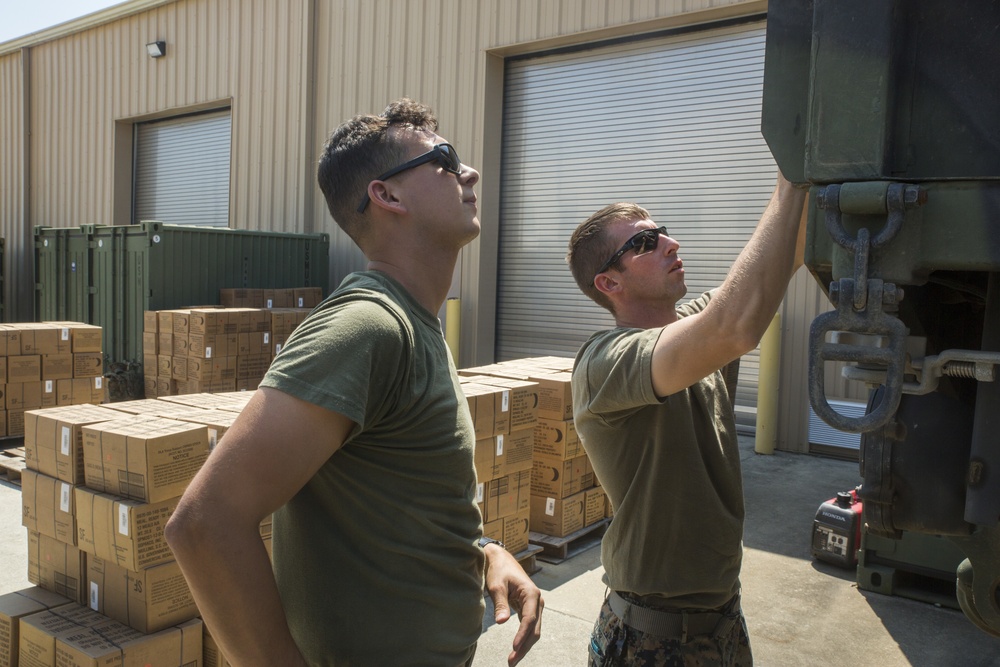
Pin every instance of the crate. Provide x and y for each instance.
(110, 275)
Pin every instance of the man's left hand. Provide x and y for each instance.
(510, 588)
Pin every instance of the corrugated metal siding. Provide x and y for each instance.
(12, 183)
(671, 123)
(250, 52)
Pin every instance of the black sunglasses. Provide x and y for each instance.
(643, 242)
(443, 154)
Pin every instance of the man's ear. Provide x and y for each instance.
(606, 284)
(384, 195)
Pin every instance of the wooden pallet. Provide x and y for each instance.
(557, 549)
(527, 559)
(12, 463)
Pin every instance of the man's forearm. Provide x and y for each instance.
(756, 284)
(233, 586)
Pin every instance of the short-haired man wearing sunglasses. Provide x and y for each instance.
(656, 420)
(361, 444)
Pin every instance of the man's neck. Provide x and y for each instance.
(647, 318)
(428, 286)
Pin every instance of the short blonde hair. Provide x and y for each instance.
(590, 246)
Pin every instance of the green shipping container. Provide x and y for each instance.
(110, 275)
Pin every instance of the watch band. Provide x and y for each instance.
(483, 541)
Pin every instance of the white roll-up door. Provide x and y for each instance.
(182, 170)
(671, 123)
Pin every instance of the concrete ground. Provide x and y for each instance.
(800, 611)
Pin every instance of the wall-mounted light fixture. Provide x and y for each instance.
(156, 49)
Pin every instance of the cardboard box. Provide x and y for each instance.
(57, 366)
(504, 454)
(13, 336)
(484, 394)
(13, 607)
(150, 321)
(179, 345)
(151, 343)
(82, 337)
(553, 476)
(506, 495)
(207, 370)
(208, 346)
(148, 600)
(79, 391)
(15, 422)
(24, 395)
(523, 399)
(3, 370)
(53, 439)
(252, 365)
(164, 344)
(516, 528)
(180, 321)
(307, 297)
(558, 516)
(216, 421)
(129, 533)
(56, 566)
(210, 321)
(75, 636)
(231, 401)
(24, 368)
(594, 505)
(279, 298)
(241, 298)
(47, 506)
(482, 400)
(253, 343)
(557, 438)
(88, 364)
(49, 393)
(148, 460)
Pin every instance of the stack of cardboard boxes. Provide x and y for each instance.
(504, 413)
(45, 365)
(565, 494)
(298, 297)
(99, 487)
(212, 350)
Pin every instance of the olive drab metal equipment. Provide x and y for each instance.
(887, 109)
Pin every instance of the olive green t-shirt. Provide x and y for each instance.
(376, 557)
(670, 467)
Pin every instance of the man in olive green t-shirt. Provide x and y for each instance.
(655, 418)
(361, 444)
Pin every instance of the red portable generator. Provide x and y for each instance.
(836, 535)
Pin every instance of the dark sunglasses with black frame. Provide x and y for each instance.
(643, 242)
(444, 154)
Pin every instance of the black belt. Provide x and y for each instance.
(671, 624)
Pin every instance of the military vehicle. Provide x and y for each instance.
(890, 111)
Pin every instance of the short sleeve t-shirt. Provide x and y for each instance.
(670, 467)
(376, 557)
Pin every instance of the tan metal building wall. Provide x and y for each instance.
(291, 71)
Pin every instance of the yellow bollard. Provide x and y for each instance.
(767, 388)
(453, 326)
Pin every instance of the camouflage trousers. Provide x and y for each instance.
(614, 644)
